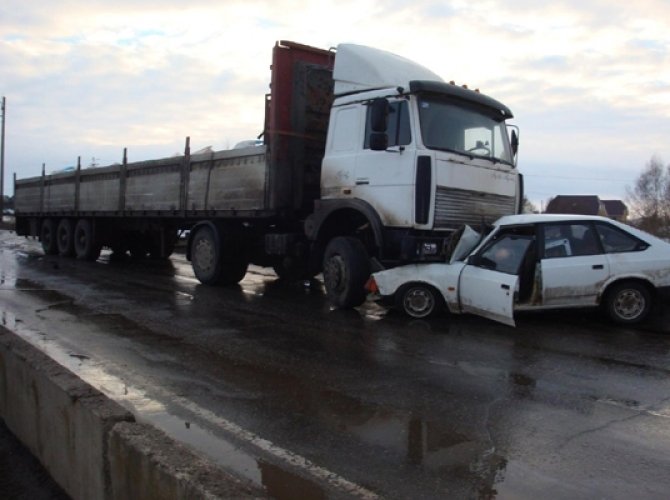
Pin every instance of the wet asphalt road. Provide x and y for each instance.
(314, 403)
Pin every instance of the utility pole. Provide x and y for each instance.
(2, 162)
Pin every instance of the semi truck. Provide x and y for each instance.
(367, 160)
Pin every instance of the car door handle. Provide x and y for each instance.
(504, 287)
(597, 266)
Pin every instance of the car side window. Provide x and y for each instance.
(570, 240)
(398, 131)
(614, 240)
(506, 253)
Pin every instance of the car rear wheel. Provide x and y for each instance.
(628, 302)
(419, 300)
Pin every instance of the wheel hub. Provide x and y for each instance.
(629, 304)
(334, 272)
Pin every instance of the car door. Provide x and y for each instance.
(489, 282)
(573, 266)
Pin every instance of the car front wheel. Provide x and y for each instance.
(419, 300)
(628, 302)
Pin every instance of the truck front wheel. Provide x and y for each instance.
(346, 267)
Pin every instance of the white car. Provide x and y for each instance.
(532, 262)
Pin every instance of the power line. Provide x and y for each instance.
(572, 178)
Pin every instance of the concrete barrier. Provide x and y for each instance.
(92, 446)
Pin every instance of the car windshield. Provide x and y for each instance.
(462, 128)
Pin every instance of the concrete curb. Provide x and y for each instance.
(91, 445)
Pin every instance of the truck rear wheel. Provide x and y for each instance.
(214, 262)
(48, 237)
(85, 246)
(65, 237)
(346, 267)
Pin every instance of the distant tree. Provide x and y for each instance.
(649, 198)
(528, 206)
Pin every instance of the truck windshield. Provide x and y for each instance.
(460, 128)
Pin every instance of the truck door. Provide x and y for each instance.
(385, 179)
(489, 282)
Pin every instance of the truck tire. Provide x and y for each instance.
(48, 237)
(65, 238)
(205, 256)
(85, 246)
(346, 268)
(628, 302)
(213, 261)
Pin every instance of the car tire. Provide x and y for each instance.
(419, 300)
(628, 302)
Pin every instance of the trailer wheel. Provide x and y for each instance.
(213, 261)
(48, 237)
(85, 246)
(205, 257)
(346, 267)
(65, 237)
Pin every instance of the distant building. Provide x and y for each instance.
(587, 205)
(616, 209)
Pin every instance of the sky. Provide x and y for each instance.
(587, 80)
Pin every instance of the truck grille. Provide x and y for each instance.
(456, 207)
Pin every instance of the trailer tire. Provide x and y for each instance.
(346, 267)
(85, 245)
(48, 237)
(205, 256)
(214, 261)
(65, 238)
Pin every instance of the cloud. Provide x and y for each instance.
(588, 81)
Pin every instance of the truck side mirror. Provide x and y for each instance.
(379, 141)
(515, 142)
(379, 113)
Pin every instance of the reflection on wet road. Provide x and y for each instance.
(314, 403)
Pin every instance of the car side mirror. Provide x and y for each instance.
(473, 260)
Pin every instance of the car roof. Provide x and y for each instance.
(513, 220)
(509, 220)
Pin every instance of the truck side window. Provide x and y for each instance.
(399, 131)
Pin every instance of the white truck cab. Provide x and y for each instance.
(423, 154)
